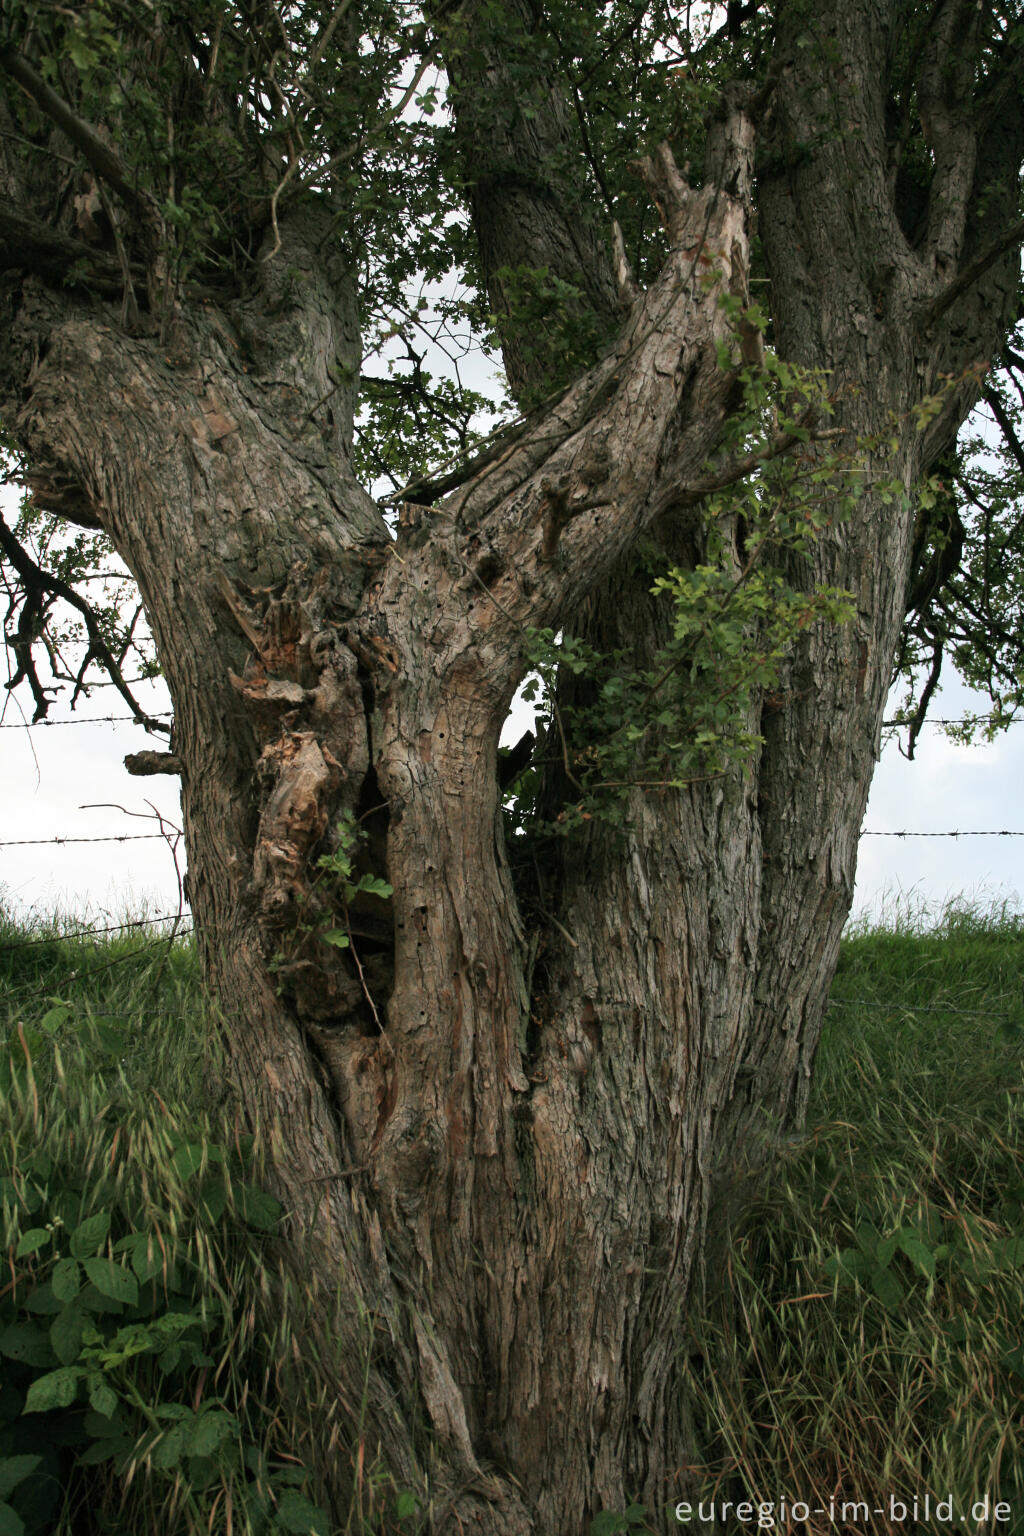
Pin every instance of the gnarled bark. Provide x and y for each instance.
(500, 1169)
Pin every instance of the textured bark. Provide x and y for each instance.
(499, 1119)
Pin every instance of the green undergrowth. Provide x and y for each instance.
(867, 1343)
(146, 1320)
(874, 1343)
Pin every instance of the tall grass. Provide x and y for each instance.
(871, 1344)
(867, 1345)
(147, 1319)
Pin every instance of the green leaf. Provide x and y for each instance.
(102, 1397)
(257, 1208)
(374, 886)
(31, 1241)
(188, 1159)
(111, 1280)
(336, 936)
(209, 1430)
(213, 1198)
(885, 1250)
(406, 1505)
(917, 1251)
(11, 1523)
(57, 1389)
(608, 1523)
(66, 1333)
(168, 1451)
(887, 1288)
(90, 1234)
(14, 1470)
(54, 1018)
(27, 1344)
(147, 1258)
(42, 1300)
(66, 1279)
(296, 1513)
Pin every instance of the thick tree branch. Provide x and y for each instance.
(37, 584)
(100, 156)
(973, 273)
(26, 242)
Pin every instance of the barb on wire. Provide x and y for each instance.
(868, 832)
(896, 725)
(123, 837)
(17, 999)
(35, 725)
(82, 933)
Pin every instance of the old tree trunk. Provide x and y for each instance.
(497, 1119)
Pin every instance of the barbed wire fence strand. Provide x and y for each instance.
(40, 725)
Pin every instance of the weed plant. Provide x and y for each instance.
(870, 1346)
(146, 1319)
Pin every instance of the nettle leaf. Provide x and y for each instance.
(296, 1513)
(14, 1470)
(54, 1018)
(102, 1397)
(209, 1429)
(111, 1280)
(31, 1241)
(57, 1389)
(67, 1332)
(917, 1251)
(257, 1208)
(90, 1234)
(26, 1343)
(11, 1523)
(66, 1279)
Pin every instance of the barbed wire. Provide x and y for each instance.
(29, 994)
(898, 725)
(81, 933)
(36, 725)
(124, 837)
(868, 832)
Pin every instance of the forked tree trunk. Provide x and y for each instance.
(498, 1179)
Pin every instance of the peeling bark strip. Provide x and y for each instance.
(500, 1103)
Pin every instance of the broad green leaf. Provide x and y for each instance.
(58, 1389)
(169, 1449)
(26, 1343)
(11, 1523)
(296, 1513)
(208, 1432)
(887, 1288)
(188, 1158)
(102, 1397)
(54, 1018)
(336, 936)
(14, 1470)
(66, 1332)
(885, 1250)
(917, 1251)
(90, 1234)
(257, 1208)
(31, 1241)
(111, 1280)
(66, 1279)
